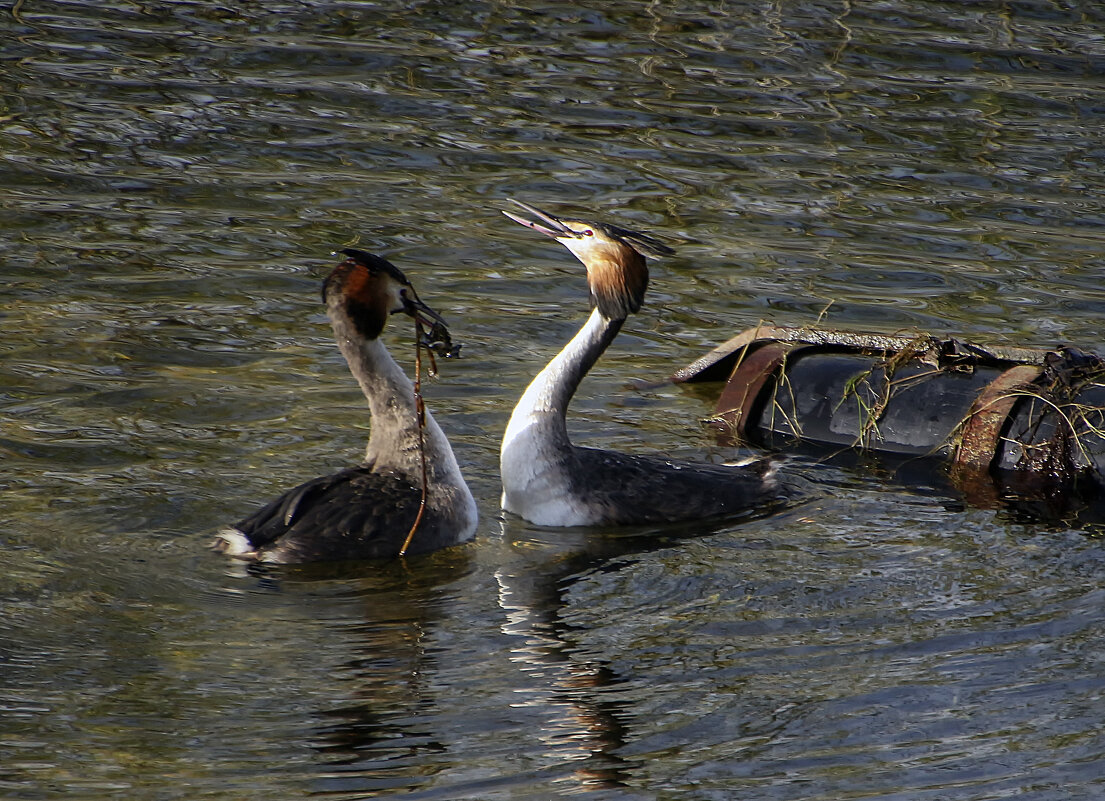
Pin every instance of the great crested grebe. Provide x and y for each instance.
(367, 512)
(548, 480)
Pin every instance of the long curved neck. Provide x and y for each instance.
(545, 401)
(393, 440)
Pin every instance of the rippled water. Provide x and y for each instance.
(173, 178)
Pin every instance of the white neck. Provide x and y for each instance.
(535, 450)
(545, 402)
(393, 441)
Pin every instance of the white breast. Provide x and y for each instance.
(534, 484)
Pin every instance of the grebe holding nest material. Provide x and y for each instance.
(548, 480)
(408, 496)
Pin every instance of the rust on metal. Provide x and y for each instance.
(980, 434)
(714, 366)
(981, 431)
(746, 383)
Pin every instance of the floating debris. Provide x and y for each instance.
(1020, 421)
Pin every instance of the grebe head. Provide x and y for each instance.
(367, 288)
(614, 257)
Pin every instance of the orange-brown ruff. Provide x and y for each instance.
(365, 293)
(617, 277)
(548, 480)
(366, 512)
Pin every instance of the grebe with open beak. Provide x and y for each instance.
(368, 511)
(548, 480)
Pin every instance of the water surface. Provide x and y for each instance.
(174, 178)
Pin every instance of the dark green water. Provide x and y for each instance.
(173, 178)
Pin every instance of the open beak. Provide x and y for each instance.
(556, 228)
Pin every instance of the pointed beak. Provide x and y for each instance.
(437, 337)
(414, 306)
(556, 228)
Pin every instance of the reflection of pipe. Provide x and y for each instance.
(1035, 415)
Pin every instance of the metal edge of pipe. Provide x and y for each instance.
(717, 364)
